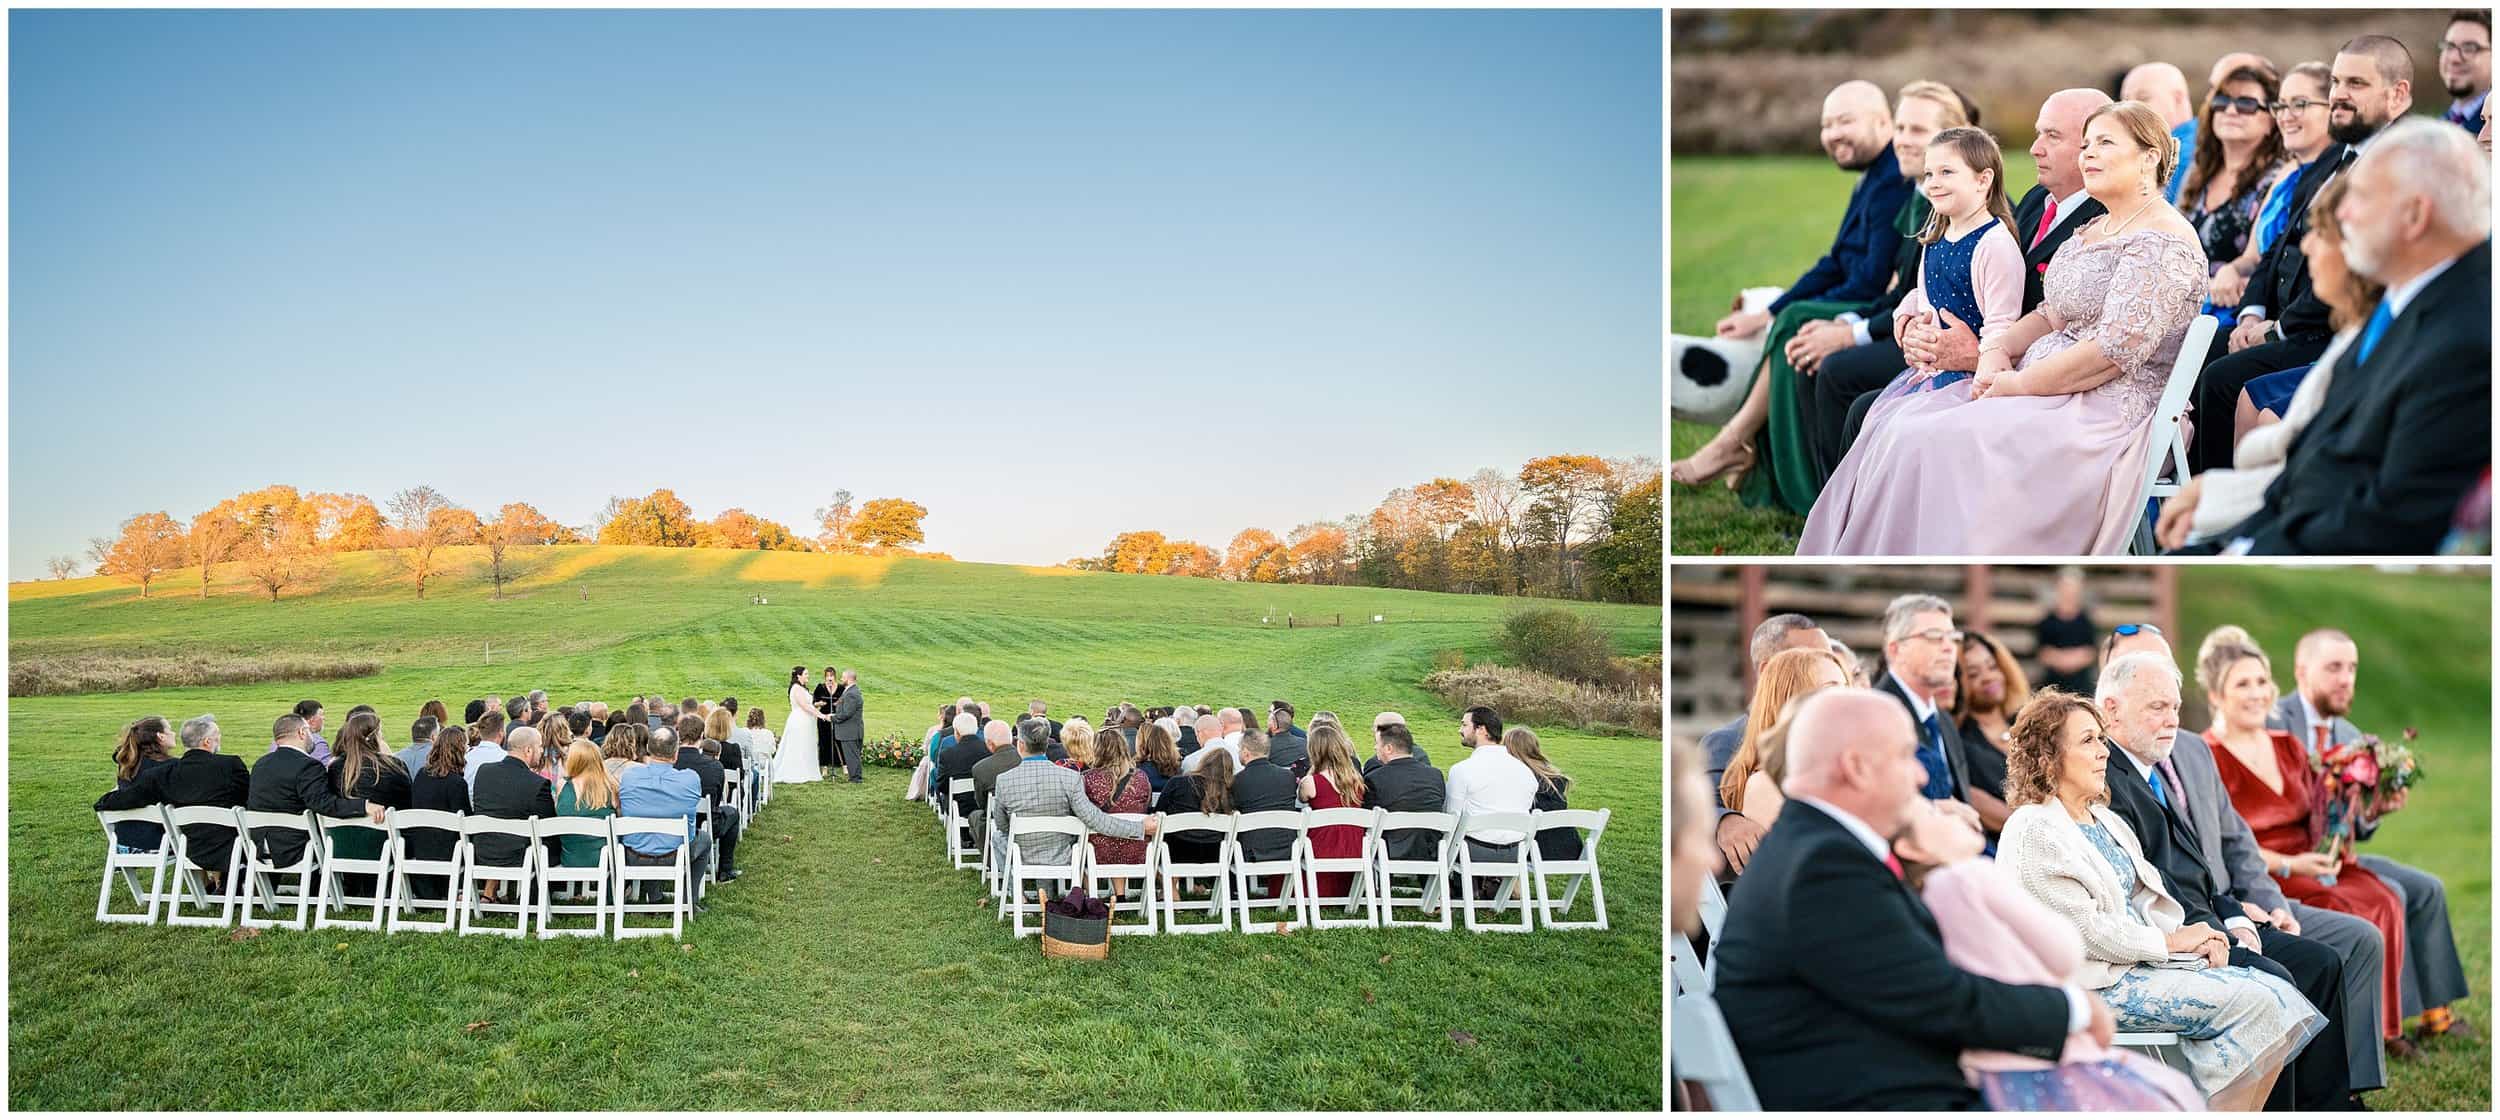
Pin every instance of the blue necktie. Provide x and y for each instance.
(2159, 794)
(2379, 319)
(1939, 772)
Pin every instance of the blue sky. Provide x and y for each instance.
(1052, 275)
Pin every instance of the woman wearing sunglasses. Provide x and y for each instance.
(2239, 158)
(2300, 119)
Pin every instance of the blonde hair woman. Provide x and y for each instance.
(588, 791)
(1077, 737)
(1788, 675)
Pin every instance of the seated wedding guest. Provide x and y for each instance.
(713, 779)
(1261, 786)
(311, 713)
(146, 745)
(2383, 465)
(2465, 68)
(587, 791)
(1858, 135)
(441, 786)
(1488, 780)
(516, 712)
(1115, 785)
(434, 709)
(1735, 834)
(2326, 667)
(1847, 383)
(420, 744)
(623, 747)
(1037, 787)
(966, 748)
(1788, 675)
(365, 770)
(656, 787)
(485, 745)
(1159, 753)
(2237, 1026)
(1849, 660)
(718, 742)
(2161, 87)
(2239, 159)
(1992, 928)
(1381, 723)
(635, 714)
(941, 735)
(1400, 782)
(2282, 324)
(555, 737)
(2300, 116)
(1207, 789)
(1287, 745)
(1848, 999)
(1334, 782)
(1076, 740)
(1553, 792)
(1988, 694)
(1922, 651)
(759, 738)
(200, 777)
(287, 780)
(599, 723)
(2271, 787)
(510, 789)
(1001, 741)
(2072, 418)
(1689, 851)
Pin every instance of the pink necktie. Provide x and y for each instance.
(2048, 221)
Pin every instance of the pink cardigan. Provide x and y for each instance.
(1993, 928)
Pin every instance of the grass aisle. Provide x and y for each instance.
(850, 968)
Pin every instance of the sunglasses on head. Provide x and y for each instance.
(2131, 629)
(2245, 106)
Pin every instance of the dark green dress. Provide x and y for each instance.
(1783, 471)
(386, 784)
(579, 851)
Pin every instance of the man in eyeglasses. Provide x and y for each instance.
(2465, 68)
(1921, 650)
(1737, 834)
(2221, 838)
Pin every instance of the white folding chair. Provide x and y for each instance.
(518, 878)
(1713, 907)
(1706, 1055)
(993, 860)
(1102, 879)
(1510, 868)
(1362, 889)
(126, 866)
(189, 885)
(1246, 870)
(263, 875)
(1543, 871)
(711, 858)
(733, 791)
(1433, 869)
(334, 867)
(1022, 871)
(963, 849)
(2161, 1046)
(1690, 976)
(2169, 443)
(675, 875)
(596, 877)
(1174, 873)
(403, 901)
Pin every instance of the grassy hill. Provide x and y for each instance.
(850, 968)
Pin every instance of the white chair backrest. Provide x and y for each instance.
(290, 822)
(1592, 822)
(960, 786)
(1475, 825)
(1442, 825)
(622, 827)
(1028, 824)
(2168, 441)
(1221, 825)
(477, 825)
(152, 814)
(403, 820)
(1705, 1053)
(573, 826)
(1268, 819)
(1713, 907)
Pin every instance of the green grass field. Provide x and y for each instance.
(1742, 223)
(850, 969)
(2426, 664)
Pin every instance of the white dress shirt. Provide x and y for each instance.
(1491, 780)
(480, 757)
(1229, 744)
(2078, 1012)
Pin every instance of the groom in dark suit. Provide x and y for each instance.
(1845, 385)
(826, 693)
(1844, 996)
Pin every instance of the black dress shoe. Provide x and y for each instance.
(2401, 1048)
(729, 876)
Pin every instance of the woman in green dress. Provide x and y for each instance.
(587, 791)
(365, 768)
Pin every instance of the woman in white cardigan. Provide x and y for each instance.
(2237, 1026)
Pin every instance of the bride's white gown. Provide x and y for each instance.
(794, 758)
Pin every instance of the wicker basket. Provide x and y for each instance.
(1077, 938)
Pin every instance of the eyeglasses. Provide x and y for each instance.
(2296, 105)
(1953, 637)
(2131, 629)
(2465, 50)
(2245, 106)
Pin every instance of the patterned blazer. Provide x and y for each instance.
(1043, 788)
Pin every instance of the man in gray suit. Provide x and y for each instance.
(847, 724)
(2231, 856)
(2325, 666)
(1038, 786)
(1737, 834)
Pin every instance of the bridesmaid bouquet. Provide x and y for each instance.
(2354, 779)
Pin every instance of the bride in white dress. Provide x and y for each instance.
(790, 764)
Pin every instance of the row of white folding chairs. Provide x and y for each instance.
(1372, 873)
(319, 892)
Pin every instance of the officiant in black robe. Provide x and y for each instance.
(827, 691)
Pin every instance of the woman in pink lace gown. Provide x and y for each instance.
(2040, 457)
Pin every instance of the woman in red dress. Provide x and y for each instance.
(2272, 786)
(1335, 782)
(1115, 785)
